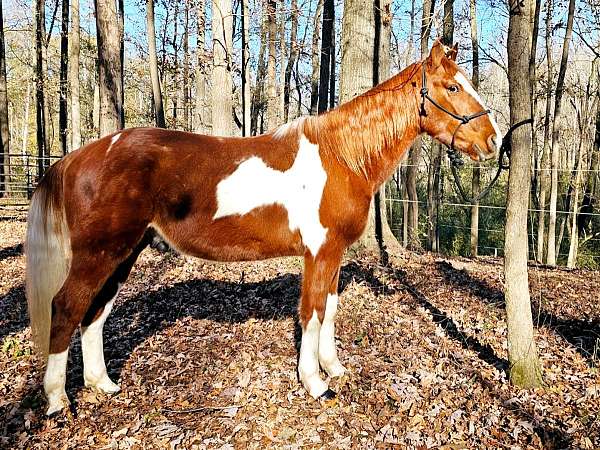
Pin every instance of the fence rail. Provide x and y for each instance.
(22, 173)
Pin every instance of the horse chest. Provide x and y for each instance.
(299, 190)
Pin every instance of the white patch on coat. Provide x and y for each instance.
(92, 347)
(114, 139)
(308, 363)
(327, 351)
(299, 190)
(469, 89)
(54, 381)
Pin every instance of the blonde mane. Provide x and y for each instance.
(361, 130)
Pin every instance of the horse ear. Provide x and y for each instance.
(453, 52)
(436, 54)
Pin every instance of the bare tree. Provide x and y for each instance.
(63, 83)
(110, 67)
(272, 106)
(245, 71)
(291, 60)
(74, 49)
(200, 73)
(4, 129)
(157, 101)
(525, 369)
(186, 67)
(40, 111)
(476, 180)
(555, 150)
(222, 107)
(315, 60)
(327, 39)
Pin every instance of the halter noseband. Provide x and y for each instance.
(452, 153)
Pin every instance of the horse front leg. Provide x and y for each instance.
(328, 357)
(319, 274)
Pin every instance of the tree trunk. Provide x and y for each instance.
(272, 107)
(259, 87)
(327, 37)
(157, 101)
(544, 175)
(415, 152)
(200, 73)
(476, 180)
(291, 60)
(74, 76)
(315, 59)
(246, 70)
(176, 83)
(525, 369)
(40, 111)
(221, 75)
(63, 81)
(25, 135)
(551, 258)
(186, 67)
(4, 128)
(110, 75)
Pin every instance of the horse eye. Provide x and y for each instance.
(453, 88)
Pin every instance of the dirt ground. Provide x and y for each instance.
(206, 354)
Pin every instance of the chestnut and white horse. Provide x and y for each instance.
(303, 189)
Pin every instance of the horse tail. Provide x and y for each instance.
(47, 248)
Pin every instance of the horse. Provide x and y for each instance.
(303, 189)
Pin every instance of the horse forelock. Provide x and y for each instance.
(362, 130)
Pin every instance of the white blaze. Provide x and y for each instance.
(299, 190)
(468, 87)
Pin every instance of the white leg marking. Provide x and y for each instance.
(327, 351)
(94, 368)
(299, 190)
(308, 366)
(469, 89)
(54, 382)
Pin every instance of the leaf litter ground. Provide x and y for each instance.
(206, 353)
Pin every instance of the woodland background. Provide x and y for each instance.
(245, 67)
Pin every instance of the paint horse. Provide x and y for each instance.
(304, 189)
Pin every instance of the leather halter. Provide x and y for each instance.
(462, 119)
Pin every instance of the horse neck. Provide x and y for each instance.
(372, 132)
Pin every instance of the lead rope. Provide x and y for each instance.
(456, 163)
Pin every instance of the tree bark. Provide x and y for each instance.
(476, 180)
(327, 37)
(40, 111)
(315, 60)
(200, 73)
(63, 81)
(544, 175)
(245, 71)
(110, 67)
(258, 96)
(293, 52)
(221, 75)
(525, 368)
(555, 150)
(74, 50)
(157, 101)
(4, 128)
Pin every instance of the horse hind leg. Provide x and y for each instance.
(328, 357)
(95, 374)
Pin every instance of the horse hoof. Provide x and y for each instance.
(106, 385)
(328, 395)
(336, 371)
(55, 407)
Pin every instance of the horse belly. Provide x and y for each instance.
(260, 234)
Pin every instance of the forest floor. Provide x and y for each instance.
(206, 355)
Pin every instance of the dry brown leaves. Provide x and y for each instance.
(205, 355)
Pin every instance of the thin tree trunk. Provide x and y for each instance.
(63, 82)
(315, 59)
(40, 19)
(221, 75)
(110, 67)
(476, 180)
(259, 86)
(544, 175)
(186, 68)
(246, 71)
(200, 73)
(555, 149)
(4, 128)
(326, 53)
(272, 112)
(25, 135)
(291, 60)
(525, 369)
(175, 73)
(74, 76)
(157, 101)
